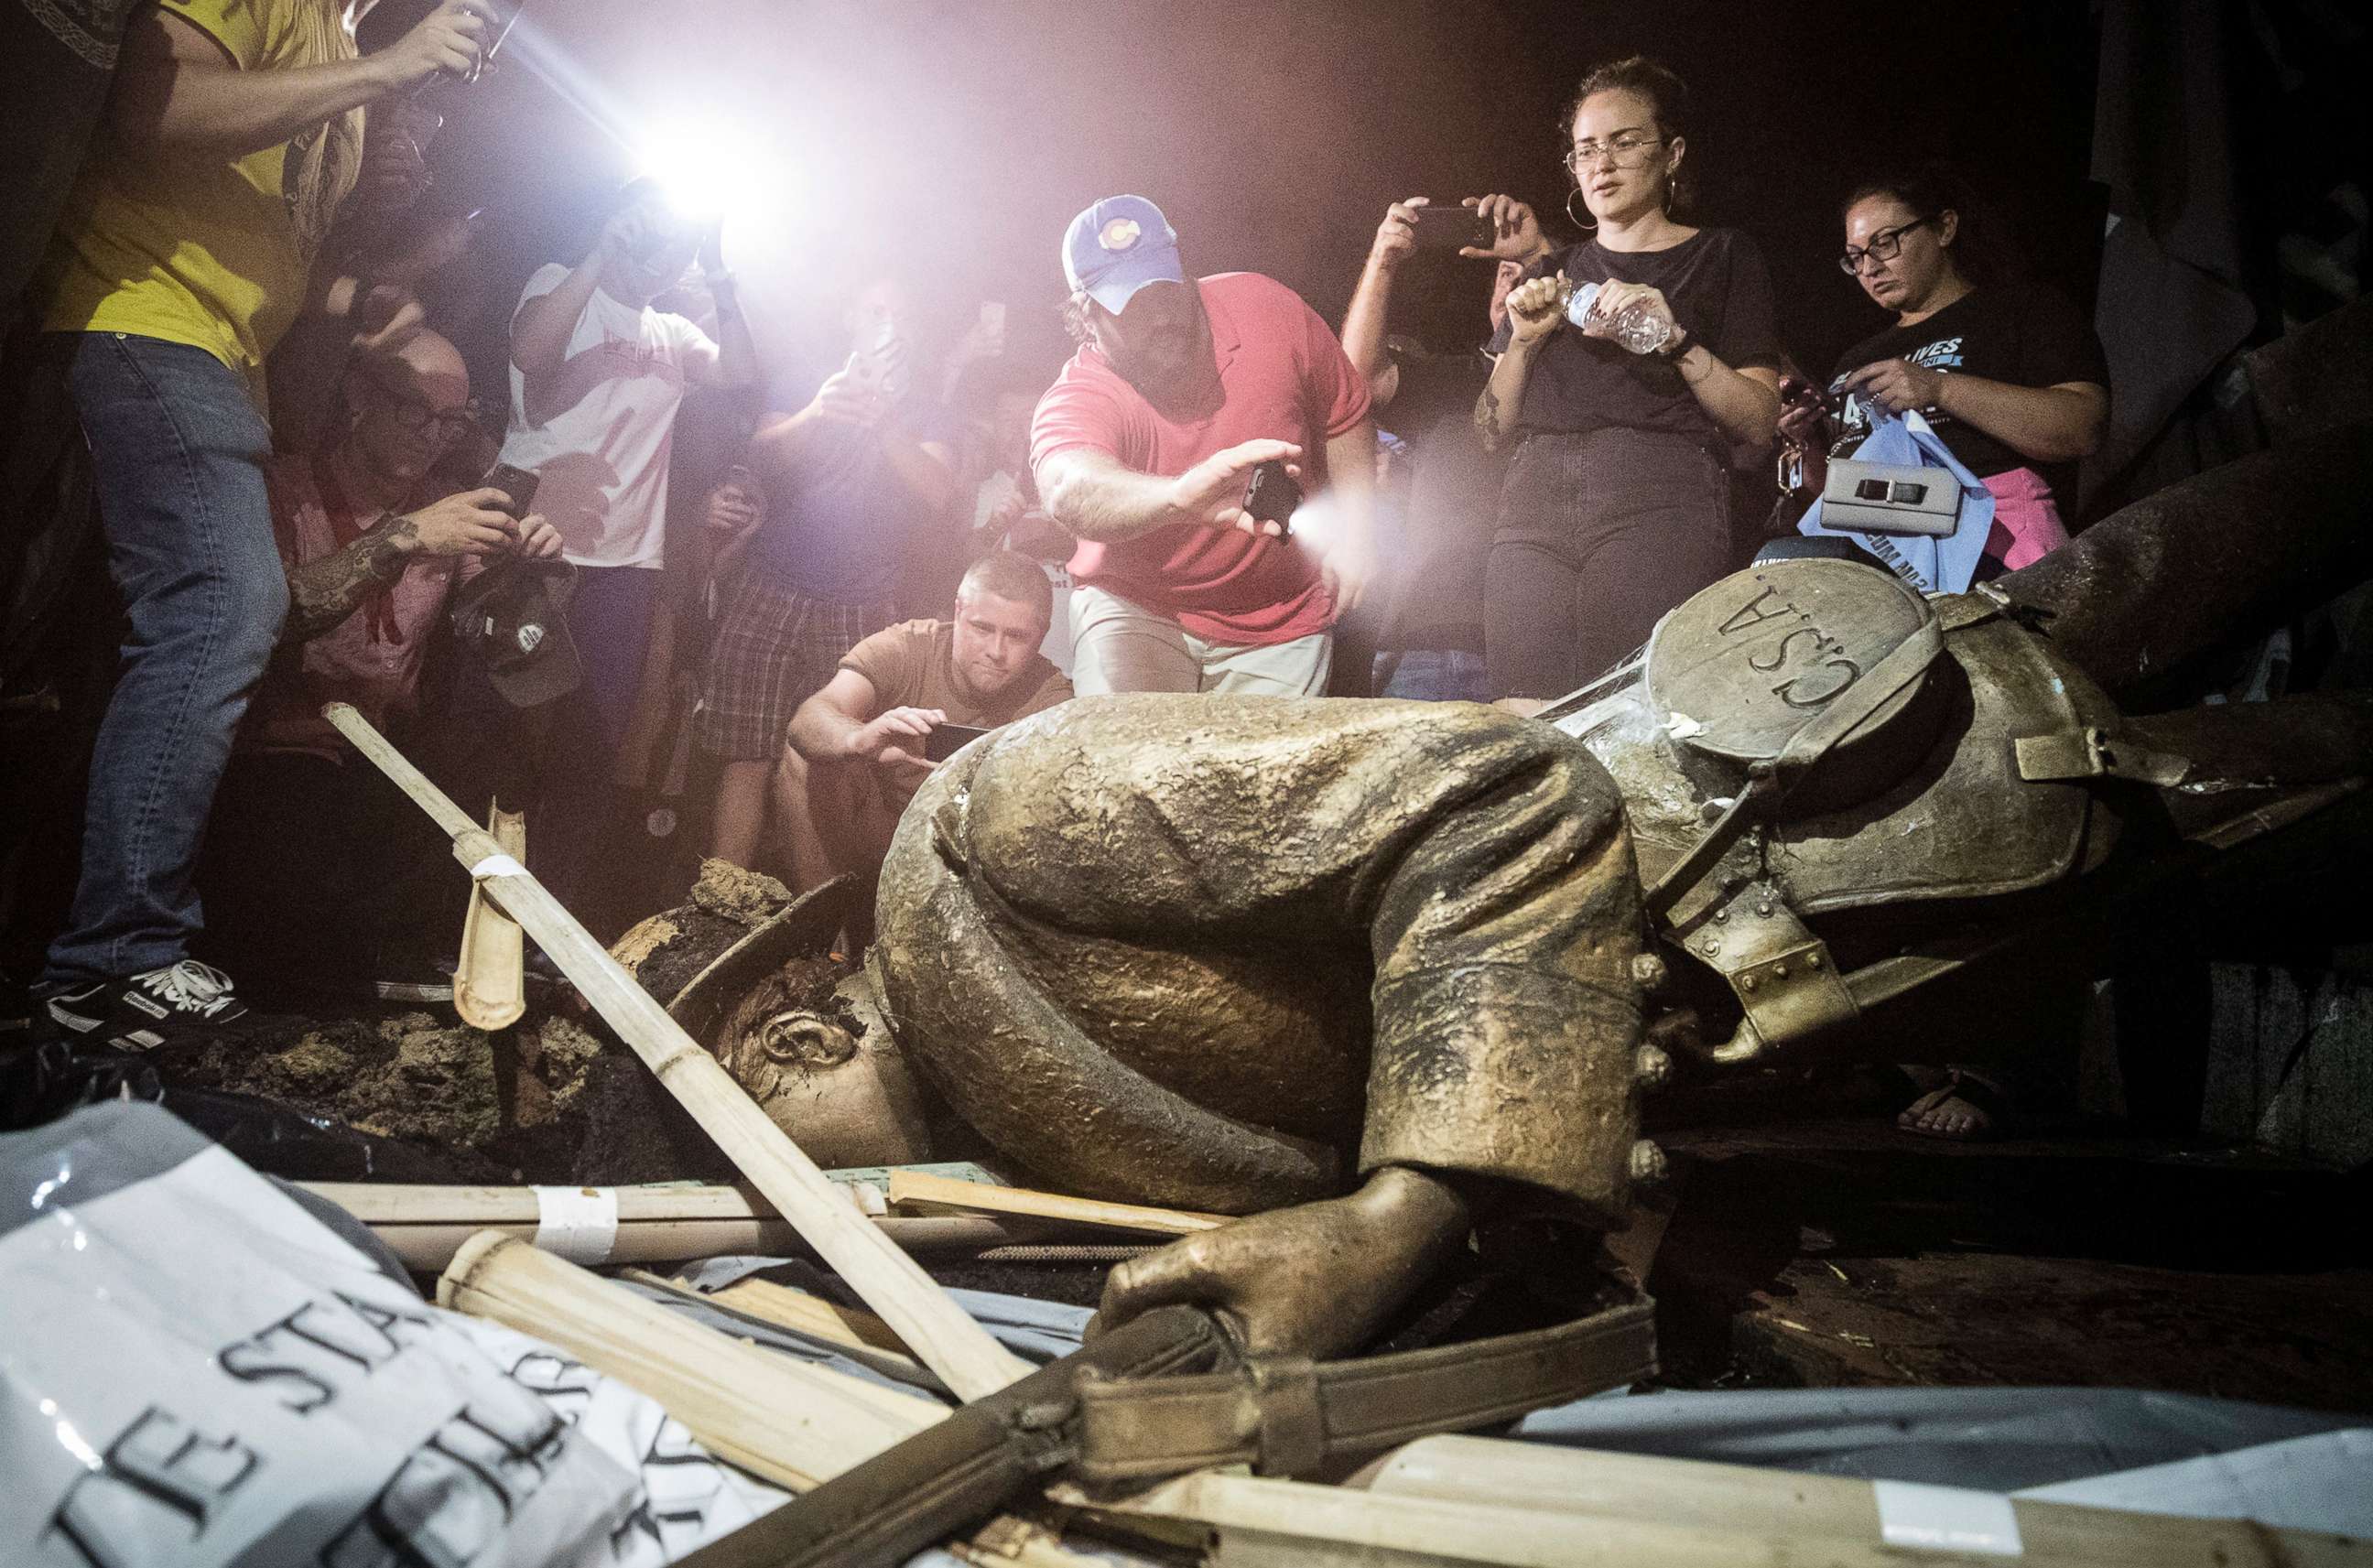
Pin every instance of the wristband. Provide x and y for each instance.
(1677, 344)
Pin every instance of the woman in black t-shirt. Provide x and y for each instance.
(1616, 505)
(2010, 376)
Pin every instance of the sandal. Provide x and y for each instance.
(1968, 1109)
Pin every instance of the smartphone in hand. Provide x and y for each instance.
(946, 740)
(1448, 228)
(518, 485)
(1273, 496)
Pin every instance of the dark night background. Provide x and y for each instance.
(954, 141)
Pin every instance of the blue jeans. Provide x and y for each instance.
(1599, 535)
(179, 451)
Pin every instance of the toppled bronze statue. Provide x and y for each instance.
(1376, 969)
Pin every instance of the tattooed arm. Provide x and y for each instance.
(1534, 308)
(1495, 411)
(325, 592)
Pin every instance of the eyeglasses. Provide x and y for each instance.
(1884, 246)
(1627, 149)
(413, 414)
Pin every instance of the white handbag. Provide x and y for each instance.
(1886, 497)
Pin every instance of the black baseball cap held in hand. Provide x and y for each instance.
(513, 616)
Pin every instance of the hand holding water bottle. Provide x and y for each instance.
(1632, 314)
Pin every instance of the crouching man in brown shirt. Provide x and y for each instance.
(858, 748)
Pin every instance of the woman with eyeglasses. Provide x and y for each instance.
(1616, 502)
(2010, 375)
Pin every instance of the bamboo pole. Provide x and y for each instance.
(425, 1225)
(1838, 1519)
(775, 1417)
(860, 1336)
(1515, 1515)
(1282, 1521)
(793, 1424)
(921, 1186)
(892, 1283)
(410, 1203)
(490, 980)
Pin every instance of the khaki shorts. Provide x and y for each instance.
(1118, 647)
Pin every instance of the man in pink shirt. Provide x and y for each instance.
(305, 858)
(1143, 449)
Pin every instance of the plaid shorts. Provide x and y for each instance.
(776, 649)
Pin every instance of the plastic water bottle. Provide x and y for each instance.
(1636, 327)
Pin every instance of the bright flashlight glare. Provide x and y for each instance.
(709, 173)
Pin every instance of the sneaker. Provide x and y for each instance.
(180, 1002)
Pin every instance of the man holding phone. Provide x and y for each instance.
(861, 747)
(597, 374)
(306, 861)
(1145, 450)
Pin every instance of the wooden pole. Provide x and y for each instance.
(892, 1283)
(1829, 1518)
(425, 1225)
(775, 1417)
(793, 1424)
(490, 980)
(1515, 1515)
(922, 1187)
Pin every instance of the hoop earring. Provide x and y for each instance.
(1585, 227)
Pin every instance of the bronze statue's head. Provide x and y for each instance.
(749, 971)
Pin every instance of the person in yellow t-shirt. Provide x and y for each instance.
(184, 252)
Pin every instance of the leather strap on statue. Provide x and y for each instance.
(1168, 1392)
(953, 1475)
(1768, 782)
(1285, 1416)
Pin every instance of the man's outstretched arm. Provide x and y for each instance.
(178, 93)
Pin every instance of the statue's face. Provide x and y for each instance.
(844, 1098)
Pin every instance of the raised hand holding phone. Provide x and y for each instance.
(1212, 492)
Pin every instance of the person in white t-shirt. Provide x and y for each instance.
(596, 377)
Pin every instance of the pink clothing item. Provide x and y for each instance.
(1282, 376)
(372, 659)
(2027, 520)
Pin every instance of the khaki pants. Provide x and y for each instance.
(1120, 646)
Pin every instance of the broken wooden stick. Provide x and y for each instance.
(1831, 1519)
(942, 1336)
(490, 979)
(921, 1186)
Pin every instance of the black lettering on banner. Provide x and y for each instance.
(453, 1494)
(1786, 691)
(1741, 620)
(160, 1483)
(681, 1486)
(314, 1350)
(401, 1328)
(564, 1385)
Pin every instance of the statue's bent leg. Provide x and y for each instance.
(1479, 865)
